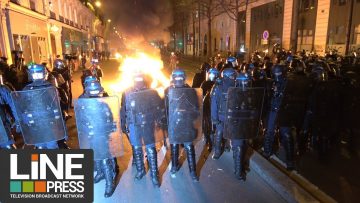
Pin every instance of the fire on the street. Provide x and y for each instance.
(142, 62)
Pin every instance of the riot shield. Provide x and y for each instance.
(185, 115)
(4, 135)
(98, 126)
(39, 115)
(326, 105)
(145, 109)
(243, 113)
(293, 105)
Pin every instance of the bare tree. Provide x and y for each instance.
(231, 8)
(182, 11)
(210, 9)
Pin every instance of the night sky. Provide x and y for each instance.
(142, 19)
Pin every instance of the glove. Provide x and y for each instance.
(215, 122)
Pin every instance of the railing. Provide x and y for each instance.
(71, 23)
(66, 21)
(61, 19)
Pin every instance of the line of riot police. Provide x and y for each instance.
(237, 106)
(309, 101)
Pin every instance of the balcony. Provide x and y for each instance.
(52, 15)
(71, 23)
(61, 19)
(66, 21)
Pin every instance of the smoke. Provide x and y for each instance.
(140, 20)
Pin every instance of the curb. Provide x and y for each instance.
(289, 189)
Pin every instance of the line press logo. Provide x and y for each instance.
(44, 175)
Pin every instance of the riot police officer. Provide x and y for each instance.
(290, 92)
(140, 107)
(106, 168)
(218, 105)
(199, 78)
(38, 76)
(233, 61)
(93, 70)
(324, 107)
(180, 124)
(63, 74)
(240, 146)
(206, 86)
(7, 116)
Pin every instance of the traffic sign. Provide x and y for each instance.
(265, 35)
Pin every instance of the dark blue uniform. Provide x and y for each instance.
(5, 102)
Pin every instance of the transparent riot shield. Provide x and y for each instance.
(39, 115)
(185, 115)
(4, 136)
(243, 113)
(98, 125)
(145, 109)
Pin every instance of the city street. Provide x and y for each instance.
(293, 114)
(217, 182)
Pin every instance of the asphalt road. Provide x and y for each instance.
(217, 182)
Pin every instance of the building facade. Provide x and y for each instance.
(43, 29)
(311, 25)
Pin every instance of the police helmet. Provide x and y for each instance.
(59, 64)
(318, 73)
(94, 88)
(178, 77)
(242, 80)
(232, 60)
(212, 74)
(228, 73)
(278, 72)
(37, 72)
(89, 79)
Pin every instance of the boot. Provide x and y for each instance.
(62, 144)
(174, 158)
(133, 152)
(99, 172)
(288, 144)
(238, 156)
(152, 159)
(217, 147)
(139, 162)
(268, 143)
(109, 170)
(190, 151)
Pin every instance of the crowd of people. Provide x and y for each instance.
(304, 100)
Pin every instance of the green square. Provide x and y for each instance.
(28, 186)
(15, 186)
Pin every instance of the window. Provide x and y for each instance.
(342, 2)
(32, 5)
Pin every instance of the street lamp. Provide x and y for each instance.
(109, 20)
(97, 3)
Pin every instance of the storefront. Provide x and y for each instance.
(338, 25)
(73, 42)
(266, 17)
(28, 34)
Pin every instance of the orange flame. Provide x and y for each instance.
(142, 62)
